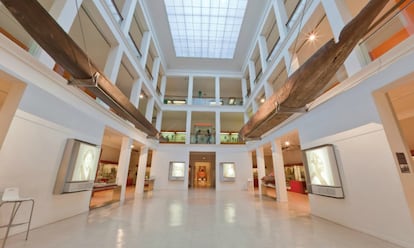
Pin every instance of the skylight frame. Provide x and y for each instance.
(205, 28)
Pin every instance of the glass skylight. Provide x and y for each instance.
(205, 28)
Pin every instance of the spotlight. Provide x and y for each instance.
(312, 37)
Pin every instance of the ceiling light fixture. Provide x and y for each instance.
(262, 100)
(312, 36)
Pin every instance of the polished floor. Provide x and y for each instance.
(199, 218)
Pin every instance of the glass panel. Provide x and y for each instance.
(219, 21)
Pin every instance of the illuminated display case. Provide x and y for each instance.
(176, 171)
(227, 172)
(323, 176)
(77, 169)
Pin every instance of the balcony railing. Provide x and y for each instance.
(173, 137)
(231, 137)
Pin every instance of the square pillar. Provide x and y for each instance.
(261, 171)
(263, 51)
(190, 89)
(217, 90)
(188, 128)
(218, 128)
(279, 171)
(281, 18)
(123, 166)
(113, 63)
(142, 167)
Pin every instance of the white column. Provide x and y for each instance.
(188, 128)
(281, 18)
(142, 167)
(128, 13)
(245, 117)
(217, 90)
(294, 63)
(123, 166)
(218, 128)
(190, 89)
(113, 63)
(64, 12)
(279, 172)
(244, 89)
(136, 92)
(338, 16)
(263, 51)
(268, 89)
(261, 171)
(254, 106)
(163, 87)
(145, 44)
(158, 123)
(252, 73)
(155, 71)
(150, 108)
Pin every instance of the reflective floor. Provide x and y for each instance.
(198, 219)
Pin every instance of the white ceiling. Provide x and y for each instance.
(254, 15)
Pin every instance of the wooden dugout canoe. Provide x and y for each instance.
(308, 81)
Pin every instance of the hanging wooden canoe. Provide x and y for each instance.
(60, 46)
(308, 81)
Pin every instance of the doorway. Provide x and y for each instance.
(396, 107)
(202, 172)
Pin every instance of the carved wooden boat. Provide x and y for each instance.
(308, 81)
(60, 46)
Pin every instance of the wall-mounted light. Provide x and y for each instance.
(262, 100)
(141, 95)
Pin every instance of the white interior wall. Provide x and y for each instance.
(374, 197)
(243, 165)
(161, 159)
(370, 204)
(30, 159)
(166, 153)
